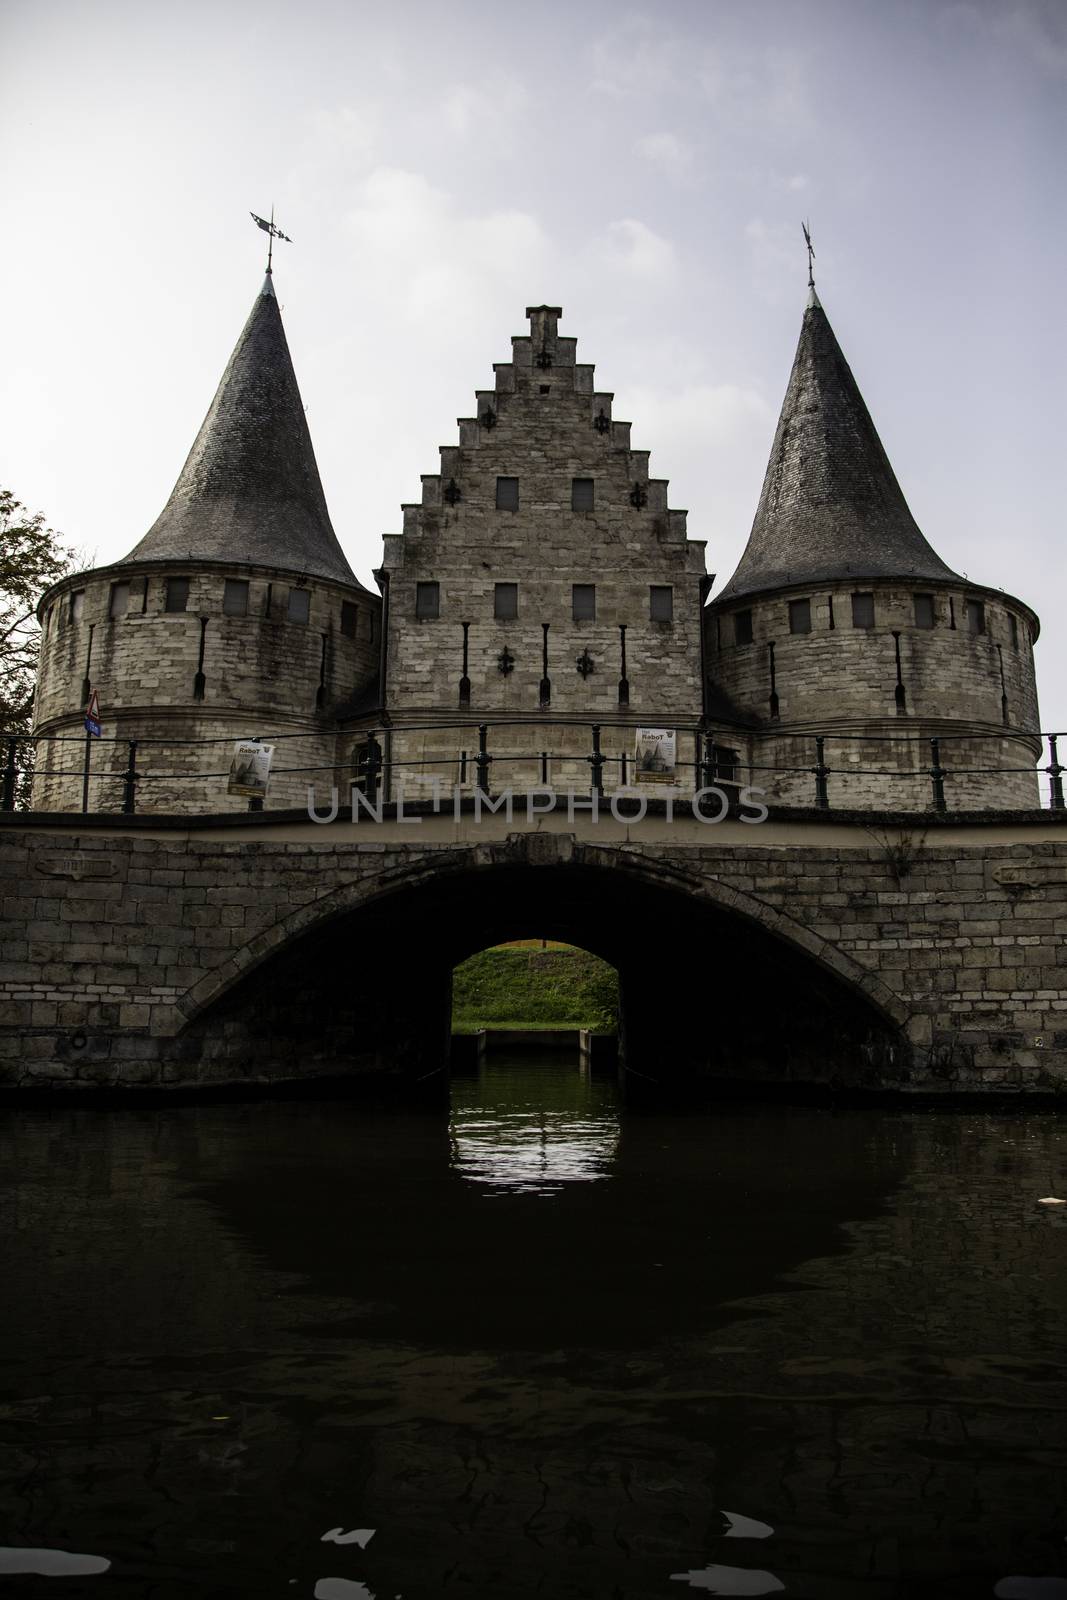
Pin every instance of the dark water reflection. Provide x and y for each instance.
(544, 1348)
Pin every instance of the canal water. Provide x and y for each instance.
(541, 1346)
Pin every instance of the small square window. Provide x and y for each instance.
(583, 602)
(660, 602)
(349, 618)
(120, 600)
(742, 627)
(235, 598)
(507, 494)
(299, 605)
(800, 616)
(77, 605)
(1014, 626)
(506, 602)
(581, 494)
(975, 616)
(177, 594)
(924, 610)
(863, 610)
(428, 601)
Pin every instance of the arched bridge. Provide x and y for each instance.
(873, 953)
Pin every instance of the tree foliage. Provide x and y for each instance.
(32, 556)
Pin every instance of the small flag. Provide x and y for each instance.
(269, 227)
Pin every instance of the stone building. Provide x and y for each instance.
(543, 607)
(542, 587)
(842, 621)
(236, 615)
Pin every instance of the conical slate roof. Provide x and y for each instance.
(831, 506)
(250, 489)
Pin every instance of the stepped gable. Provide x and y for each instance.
(250, 491)
(546, 396)
(831, 506)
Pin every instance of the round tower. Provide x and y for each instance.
(236, 616)
(841, 621)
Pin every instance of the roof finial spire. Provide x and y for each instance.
(811, 253)
(272, 233)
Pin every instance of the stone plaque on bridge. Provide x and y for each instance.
(76, 865)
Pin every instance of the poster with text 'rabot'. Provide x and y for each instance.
(655, 756)
(250, 769)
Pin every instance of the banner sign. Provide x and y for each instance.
(655, 757)
(250, 769)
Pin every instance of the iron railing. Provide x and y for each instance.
(375, 763)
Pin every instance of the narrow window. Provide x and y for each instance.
(373, 619)
(299, 605)
(1014, 626)
(863, 610)
(583, 602)
(77, 605)
(581, 494)
(742, 627)
(177, 594)
(507, 494)
(120, 599)
(235, 598)
(924, 610)
(660, 602)
(800, 616)
(725, 764)
(349, 618)
(428, 601)
(506, 602)
(975, 610)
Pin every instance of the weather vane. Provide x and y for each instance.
(811, 253)
(272, 232)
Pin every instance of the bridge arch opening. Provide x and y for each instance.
(540, 986)
(715, 991)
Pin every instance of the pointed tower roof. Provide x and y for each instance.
(831, 506)
(250, 489)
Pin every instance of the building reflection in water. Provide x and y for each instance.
(229, 1328)
(529, 1124)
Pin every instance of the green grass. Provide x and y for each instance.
(527, 987)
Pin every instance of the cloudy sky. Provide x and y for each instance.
(440, 168)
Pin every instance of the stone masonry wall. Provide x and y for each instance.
(117, 941)
(262, 677)
(976, 692)
(545, 425)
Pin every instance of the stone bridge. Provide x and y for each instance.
(876, 953)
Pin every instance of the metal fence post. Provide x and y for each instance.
(596, 762)
(821, 771)
(710, 763)
(7, 802)
(373, 768)
(937, 775)
(129, 782)
(483, 759)
(1055, 772)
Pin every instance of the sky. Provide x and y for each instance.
(439, 168)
